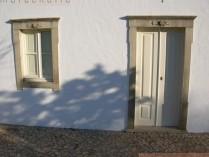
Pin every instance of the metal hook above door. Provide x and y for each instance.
(159, 23)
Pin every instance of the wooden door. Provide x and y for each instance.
(159, 59)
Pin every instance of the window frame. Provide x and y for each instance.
(39, 53)
(39, 24)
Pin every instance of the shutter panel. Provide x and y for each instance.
(31, 53)
(46, 53)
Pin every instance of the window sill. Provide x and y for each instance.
(37, 80)
(39, 83)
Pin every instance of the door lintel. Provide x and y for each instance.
(160, 21)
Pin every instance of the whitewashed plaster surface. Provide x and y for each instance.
(93, 64)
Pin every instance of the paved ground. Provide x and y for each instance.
(49, 142)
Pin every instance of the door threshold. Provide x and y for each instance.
(156, 129)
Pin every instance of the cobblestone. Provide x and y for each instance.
(21, 141)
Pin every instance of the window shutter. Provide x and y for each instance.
(31, 54)
(46, 52)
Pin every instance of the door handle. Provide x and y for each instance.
(161, 78)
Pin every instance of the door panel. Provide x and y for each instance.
(173, 78)
(161, 76)
(146, 70)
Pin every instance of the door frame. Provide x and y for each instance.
(137, 22)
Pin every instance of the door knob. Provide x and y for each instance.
(161, 78)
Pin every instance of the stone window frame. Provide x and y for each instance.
(182, 22)
(19, 25)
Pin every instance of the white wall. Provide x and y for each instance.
(93, 64)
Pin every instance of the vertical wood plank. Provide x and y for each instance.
(161, 77)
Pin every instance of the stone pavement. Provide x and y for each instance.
(174, 155)
(20, 141)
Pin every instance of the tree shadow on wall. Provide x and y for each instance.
(98, 101)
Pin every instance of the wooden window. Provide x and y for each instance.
(36, 52)
(37, 55)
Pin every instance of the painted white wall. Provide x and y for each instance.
(93, 64)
